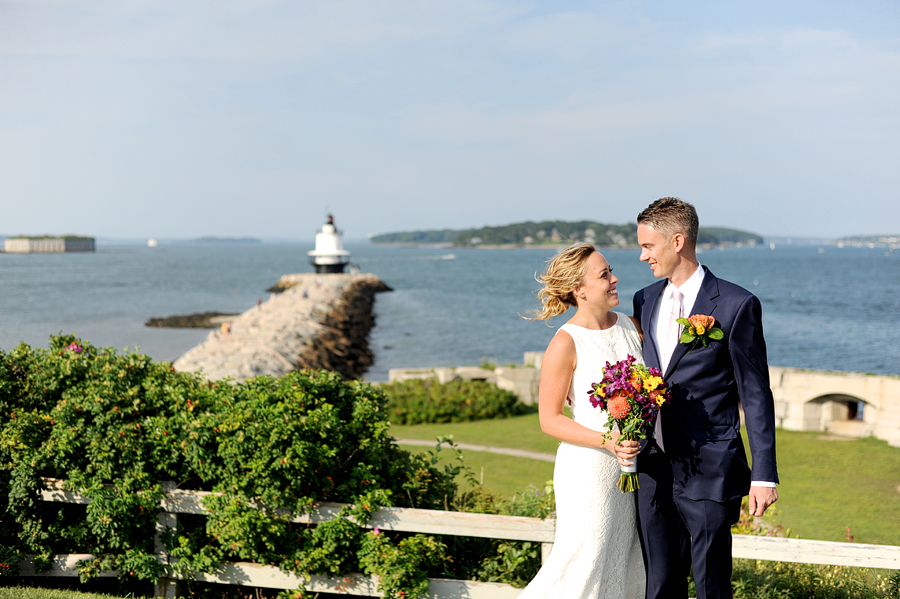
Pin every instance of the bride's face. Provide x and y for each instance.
(599, 285)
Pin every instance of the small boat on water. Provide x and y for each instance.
(329, 255)
(151, 243)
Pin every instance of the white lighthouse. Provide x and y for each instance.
(329, 255)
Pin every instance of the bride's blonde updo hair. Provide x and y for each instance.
(565, 272)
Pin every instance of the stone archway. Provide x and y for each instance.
(839, 414)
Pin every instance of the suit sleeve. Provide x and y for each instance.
(636, 304)
(751, 370)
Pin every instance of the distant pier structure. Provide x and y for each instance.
(33, 245)
(329, 255)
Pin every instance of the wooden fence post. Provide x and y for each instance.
(166, 522)
(546, 548)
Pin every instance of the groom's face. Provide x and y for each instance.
(658, 251)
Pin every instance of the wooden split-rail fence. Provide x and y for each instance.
(435, 522)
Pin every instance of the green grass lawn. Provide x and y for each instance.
(517, 432)
(826, 484)
(500, 474)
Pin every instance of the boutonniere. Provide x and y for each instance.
(700, 327)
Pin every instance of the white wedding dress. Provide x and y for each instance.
(596, 553)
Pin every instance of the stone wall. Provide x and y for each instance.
(317, 321)
(848, 404)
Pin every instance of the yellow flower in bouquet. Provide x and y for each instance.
(652, 383)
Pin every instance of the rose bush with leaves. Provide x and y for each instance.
(115, 426)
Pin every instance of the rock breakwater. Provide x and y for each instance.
(317, 321)
(203, 320)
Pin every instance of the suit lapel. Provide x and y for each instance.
(704, 304)
(651, 298)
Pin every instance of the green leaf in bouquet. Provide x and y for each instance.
(686, 337)
(717, 334)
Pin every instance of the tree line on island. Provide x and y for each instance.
(555, 232)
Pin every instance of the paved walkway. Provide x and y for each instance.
(519, 453)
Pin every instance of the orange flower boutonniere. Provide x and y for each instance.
(702, 328)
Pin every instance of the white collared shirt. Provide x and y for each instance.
(690, 289)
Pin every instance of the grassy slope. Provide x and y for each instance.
(502, 475)
(827, 485)
(517, 432)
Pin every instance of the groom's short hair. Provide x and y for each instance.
(670, 216)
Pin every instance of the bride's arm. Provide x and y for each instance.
(556, 378)
(637, 325)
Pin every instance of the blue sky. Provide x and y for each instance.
(181, 119)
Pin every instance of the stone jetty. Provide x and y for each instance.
(315, 321)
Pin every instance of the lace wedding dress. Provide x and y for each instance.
(596, 553)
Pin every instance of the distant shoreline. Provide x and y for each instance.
(537, 246)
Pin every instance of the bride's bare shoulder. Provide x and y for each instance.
(561, 349)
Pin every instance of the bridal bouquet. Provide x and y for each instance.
(632, 395)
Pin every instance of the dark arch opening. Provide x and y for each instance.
(855, 405)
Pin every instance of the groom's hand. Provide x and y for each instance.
(760, 499)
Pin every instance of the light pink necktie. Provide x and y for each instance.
(674, 330)
(673, 336)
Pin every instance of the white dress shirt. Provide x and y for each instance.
(689, 291)
(658, 325)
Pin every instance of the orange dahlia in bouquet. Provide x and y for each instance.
(632, 394)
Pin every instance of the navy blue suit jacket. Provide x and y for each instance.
(701, 425)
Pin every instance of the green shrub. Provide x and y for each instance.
(425, 401)
(753, 579)
(114, 427)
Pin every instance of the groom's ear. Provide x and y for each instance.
(678, 242)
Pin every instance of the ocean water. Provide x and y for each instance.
(824, 307)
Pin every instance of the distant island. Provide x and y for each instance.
(555, 232)
(891, 241)
(41, 244)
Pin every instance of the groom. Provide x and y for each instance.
(694, 471)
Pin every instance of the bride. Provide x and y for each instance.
(596, 553)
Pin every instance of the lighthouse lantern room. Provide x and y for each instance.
(329, 255)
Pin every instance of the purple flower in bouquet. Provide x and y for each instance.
(632, 394)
